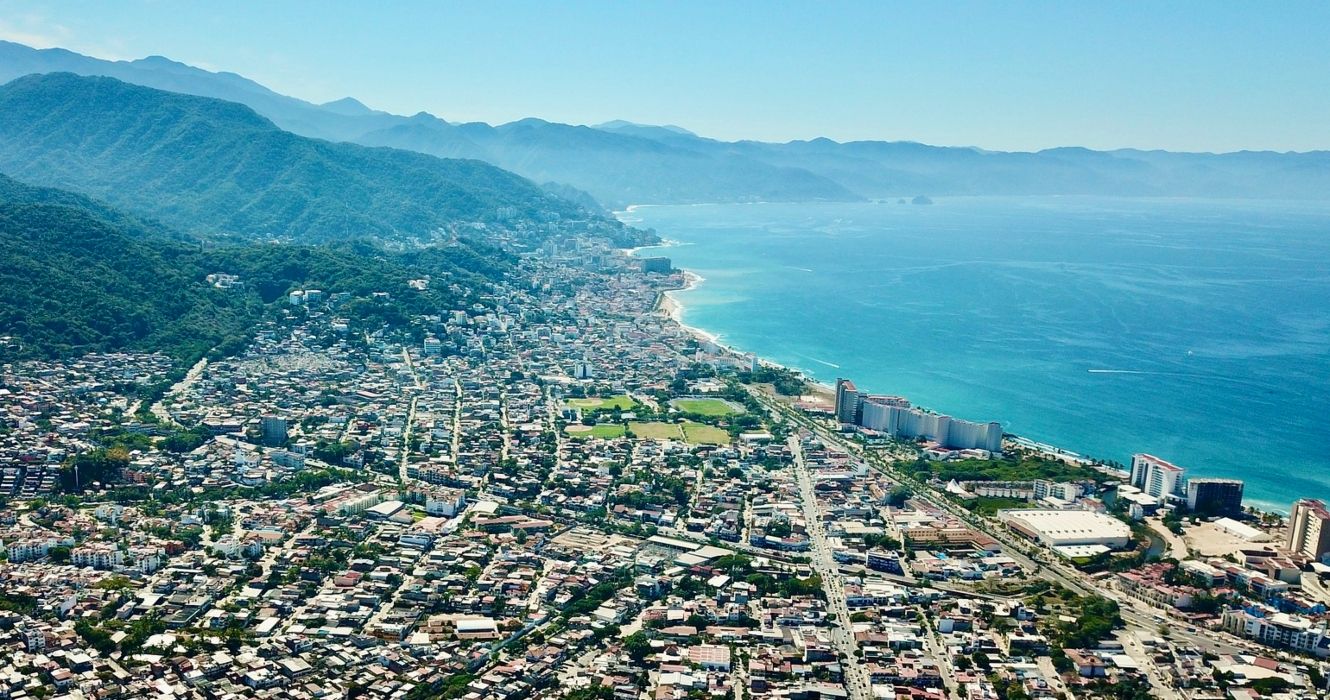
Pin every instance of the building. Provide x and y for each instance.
(445, 502)
(848, 402)
(1063, 491)
(1278, 629)
(1308, 532)
(886, 415)
(657, 264)
(1156, 477)
(1214, 496)
(97, 556)
(272, 429)
(1068, 528)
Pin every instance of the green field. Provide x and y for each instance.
(609, 403)
(656, 431)
(700, 434)
(604, 431)
(706, 407)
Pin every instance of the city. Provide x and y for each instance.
(559, 491)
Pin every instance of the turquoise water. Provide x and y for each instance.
(1198, 331)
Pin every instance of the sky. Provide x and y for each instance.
(1197, 76)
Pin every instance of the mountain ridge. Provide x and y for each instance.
(637, 163)
(207, 167)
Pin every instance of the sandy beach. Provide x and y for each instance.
(670, 305)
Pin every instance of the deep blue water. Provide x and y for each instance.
(1211, 317)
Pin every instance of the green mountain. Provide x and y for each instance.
(78, 276)
(216, 168)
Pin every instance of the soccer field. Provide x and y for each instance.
(656, 431)
(604, 430)
(700, 434)
(706, 407)
(622, 401)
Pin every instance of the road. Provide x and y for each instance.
(159, 409)
(938, 651)
(1131, 643)
(1033, 558)
(410, 415)
(842, 635)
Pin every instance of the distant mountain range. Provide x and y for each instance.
(619, 163)
(211, 168)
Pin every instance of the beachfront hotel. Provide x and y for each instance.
(893, 415)
(1156, 477)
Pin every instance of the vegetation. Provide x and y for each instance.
(1092, 618)
(656, 431)
(700, 434)
(97, 466)
(207, 166)
(604, 431)
(593, 597)
(621, 402)
(785, 381)
(990, 505)
(705, 407)
(1011, 468)
(77, 276)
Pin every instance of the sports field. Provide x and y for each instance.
(604, 430)
(656, 431)
(706, 407)
(701, 434)
(622, 401)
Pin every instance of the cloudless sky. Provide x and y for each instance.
(1211, 76)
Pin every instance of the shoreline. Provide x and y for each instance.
(670, 306)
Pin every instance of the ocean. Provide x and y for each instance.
(1195, 330)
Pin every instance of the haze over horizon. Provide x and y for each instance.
(1003, 78)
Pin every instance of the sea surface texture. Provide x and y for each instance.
(1195, 330)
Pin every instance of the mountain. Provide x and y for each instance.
(623, 168)
(615, 168)
(77, 276)
(333, 121)
(622, 162)
(211, 167)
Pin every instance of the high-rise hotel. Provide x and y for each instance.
(1308, 529)
(894, 416)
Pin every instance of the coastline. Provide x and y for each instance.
(669, 305)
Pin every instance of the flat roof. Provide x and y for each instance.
(1070, 523)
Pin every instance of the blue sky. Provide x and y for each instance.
(1211, 76)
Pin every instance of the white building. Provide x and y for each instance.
(1156, 477)
(1068, 528)
(32, 549)
(894, 416)
(445, 502)
(97, 556)
(1278, 629)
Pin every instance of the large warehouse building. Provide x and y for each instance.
(1072, 533)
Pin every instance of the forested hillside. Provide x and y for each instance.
(214, 168)
(79, 276)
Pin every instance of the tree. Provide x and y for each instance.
(898, 496)
(637, 645)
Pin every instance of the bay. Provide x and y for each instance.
(1195, 330)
